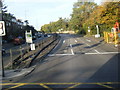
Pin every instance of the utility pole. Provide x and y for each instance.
(1, 60)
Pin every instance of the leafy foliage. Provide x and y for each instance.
(88, 14)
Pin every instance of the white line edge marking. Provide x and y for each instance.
(72, 50)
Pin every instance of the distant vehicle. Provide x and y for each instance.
(39, 36)
(45, 35)
(49, 35)
(18, 41)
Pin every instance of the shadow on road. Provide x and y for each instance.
(76, 45)
(109, 72)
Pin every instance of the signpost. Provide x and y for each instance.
(2, 33)
(28, 37)
(2, 28)
(32, 46)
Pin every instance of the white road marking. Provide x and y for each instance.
(71, 45)
(96, 51)
(88, 40)
(84, 42)
(76, 41)
(87, 44)
(71, 50)
(64, 41)
(60, 54)
(100, 53)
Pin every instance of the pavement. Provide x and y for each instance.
(9, 74)
(76, 62)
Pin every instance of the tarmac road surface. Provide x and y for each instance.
(76, 62)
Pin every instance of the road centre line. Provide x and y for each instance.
(96, 51)
(76, 41)
(72, 52)
(71, 49)
(83, 42)
(88, 40)
(64, 41)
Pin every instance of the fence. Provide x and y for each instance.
(21, 56)
(112, 37)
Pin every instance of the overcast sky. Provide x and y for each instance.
(40, 12)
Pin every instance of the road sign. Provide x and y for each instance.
(32, 46)
(28, 37)
(2, 28)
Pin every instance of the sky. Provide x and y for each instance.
(40, 12)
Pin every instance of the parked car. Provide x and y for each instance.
(18, 41)
(4, 41)
(39, 36)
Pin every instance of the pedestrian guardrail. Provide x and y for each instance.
(22, 57)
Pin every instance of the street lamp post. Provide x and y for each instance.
(1, 60)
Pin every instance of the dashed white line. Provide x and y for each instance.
(88, 40)
(71, 45)
(71, 50)
(84, 42)
(76, 41)
(87, 44)
(64, 41)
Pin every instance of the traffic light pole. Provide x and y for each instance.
(1, 60)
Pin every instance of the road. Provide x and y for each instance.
(76, 62)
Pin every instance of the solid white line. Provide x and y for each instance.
(64, 41)
(76, 41)
(96, 51)
(100, 53)
(60, 54)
